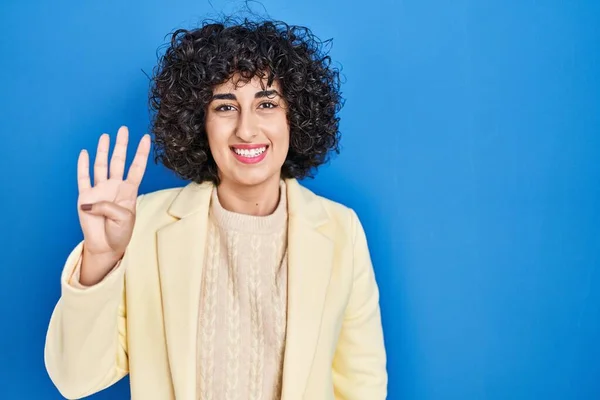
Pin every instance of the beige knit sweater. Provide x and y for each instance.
(242, 318)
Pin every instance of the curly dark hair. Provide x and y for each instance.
(198, 60)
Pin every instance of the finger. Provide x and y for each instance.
(117, 161)
(108, 210)
(138, 166)
(101, 162)
(83, 171)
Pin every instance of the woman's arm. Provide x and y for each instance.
(359, 366)
(86, 347)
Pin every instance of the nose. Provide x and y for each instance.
(247, 128)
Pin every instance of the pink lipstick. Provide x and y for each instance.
(249, 153)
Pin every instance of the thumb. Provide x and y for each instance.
(108, 210)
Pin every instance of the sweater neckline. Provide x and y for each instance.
(230, 220)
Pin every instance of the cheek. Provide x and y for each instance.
(217, 135)
(280, 134)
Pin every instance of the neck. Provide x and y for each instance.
(258, 200)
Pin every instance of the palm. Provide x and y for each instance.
(101, 234)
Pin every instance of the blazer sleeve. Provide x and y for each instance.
(86, 342)
(359, 366)
(86, 347)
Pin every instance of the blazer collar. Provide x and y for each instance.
(191, 199)
(302, 203)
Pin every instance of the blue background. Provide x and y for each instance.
(471, 138)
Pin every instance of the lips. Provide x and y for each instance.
(250, 154)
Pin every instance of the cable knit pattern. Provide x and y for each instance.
(279, 308)
(233, 322)
(243, 310)
(258, 337)
(209, 314)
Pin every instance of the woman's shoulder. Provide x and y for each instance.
(337, 211)
(333, 206)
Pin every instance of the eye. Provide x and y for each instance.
(268, 105)
(225, 107)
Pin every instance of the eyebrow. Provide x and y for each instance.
(257, 95)
(266, 93)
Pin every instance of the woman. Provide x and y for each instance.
(243, 284)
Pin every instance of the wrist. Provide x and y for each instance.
(95, 267)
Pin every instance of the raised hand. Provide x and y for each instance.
(107, 209)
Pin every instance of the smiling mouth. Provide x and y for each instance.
(250, 155)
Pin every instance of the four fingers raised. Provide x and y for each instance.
(117, 162)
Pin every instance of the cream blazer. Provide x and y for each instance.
(142, 318)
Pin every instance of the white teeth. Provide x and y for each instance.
(250, 153)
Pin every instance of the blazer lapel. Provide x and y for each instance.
(181, 247)
(310, 258)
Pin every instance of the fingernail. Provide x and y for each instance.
(86, 207)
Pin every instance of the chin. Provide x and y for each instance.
(251, 178)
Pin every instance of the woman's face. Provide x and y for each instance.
(248, 132)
